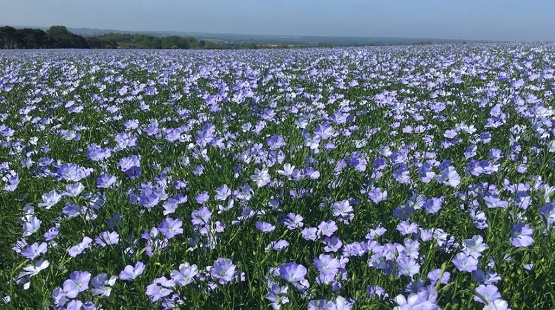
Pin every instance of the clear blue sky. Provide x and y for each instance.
(514, 20)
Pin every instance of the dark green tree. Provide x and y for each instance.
(34, 38)
(8, 37)
(65, 39)
(58, 31)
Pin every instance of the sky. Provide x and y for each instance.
(503, 20)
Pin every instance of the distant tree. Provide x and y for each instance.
(94, 42)
(151, 42)
(58, 30)
(59, 36)
(65, 39)
(325, 44)
(175, 42)
(8, 37)
(34, 38)
(193, 42)
(211, 45)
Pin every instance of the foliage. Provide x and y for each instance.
(61, 37)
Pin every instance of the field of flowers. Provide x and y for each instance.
(401, 177)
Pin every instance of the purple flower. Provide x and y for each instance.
(261, 177)
(105, 181)
(548, 213)
(75, 305)
(493, 202)
(78, 282)
(244, 192)
(377, 195)
(130, 272)
(485, 137)
(222, 192)
(71, 172)
(171, 228)
(149, 200)
(327, 265)
(265, 227)
(408, 266)
(354, 249)
(324, 131)
(202, 197)
(59, 297)
(185, 275)
(402, 174)
(498, 304)
(107, 238)
(333, 244)
(124, 140)
(425, 173)
(131, 166)
(406, 228)
(31, 225)
(161, 287)
(78, 249)
(376, 292)
(414, 301)
(358, 162)
(132, 123)
(343, 304)
(34, 269)
(279, 245)
(475, 246)
(320, 304)
(275, 142)
(434, 276)
(96, 153)
(115, 220)
(71, 210)
(34, 250)
(102, 286)
(170, 206)
(50, 199)
(480, 219)
(433, 205)
(343, 211)
(277, 296)
(292, 272)
(293, 221)
(73, 190)
(450, 134)
(375, 233)
(310, 233)
(464, 262)
(223, 270)
(287, 171)
(449, 176)
(201, 216)
(487, 294)
(495, 154)
(470, 151)
(51, 233)
(487, 277)
(311, 173)
(327, 228)
(521, 235)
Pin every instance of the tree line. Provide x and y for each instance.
(61, 37)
